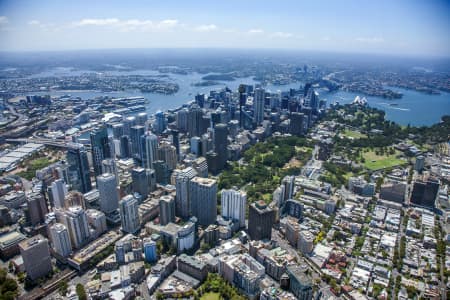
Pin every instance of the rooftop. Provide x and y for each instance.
(33, 241)
(11, 238)
(193, 262)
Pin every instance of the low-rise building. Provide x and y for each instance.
(192, 266)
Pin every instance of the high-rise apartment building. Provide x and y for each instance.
(36, 256)
(203, 195)
(182, 202)
(59, 192)
(200, 165)
(149, 144)
(166, 209)
(109, 194)
(36, 208)
(60, 238)
(233, 205)
(150, 252)
(129, 215)
(76, 222)
(168, 153)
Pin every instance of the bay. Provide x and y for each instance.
(414, 108)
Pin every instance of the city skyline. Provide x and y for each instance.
(290, 150)
(402, 27)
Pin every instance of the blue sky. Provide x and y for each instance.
(409, 27)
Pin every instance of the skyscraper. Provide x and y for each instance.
(150, 250)
(76, 221)
(166, 209)
(60, 238)
(109, 166)
(206, 144)
(242, 101)
(424, 193)
(200, 165)
(129, 215)
(160, 123)
(182, 120)
(196, 146)
(127, 124)
(125, 146)
(258, 105)
(182, 203)
(168, 153)
(312, 99)
(74, 198)
(233, 204)
(78, 171)
(143, 181)
(419, 164)
(141, 118)
(212, 160)
(117, 130)
(136, 132)
(221, 143)
(97, 221)
(36, 256)
(297, 124)
(194, 119)
(288, 183)
(109, 195)
(200, 100)
(203, 195)
(215, 118)
(149, 144)
(176, 141)
(260, 221)
(161, 172)
(59, 192)
(100, 148)
(37, 208)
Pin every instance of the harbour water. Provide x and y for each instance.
(413, 108)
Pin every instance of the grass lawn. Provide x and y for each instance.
(267, 198)
(210, 296)
(34, 165)
(302, 149)
(376, 162)
(353, 134)
(348, 175)
(40, 163)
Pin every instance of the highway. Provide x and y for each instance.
(47, 142)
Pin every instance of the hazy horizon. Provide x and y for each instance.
(234, 49)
